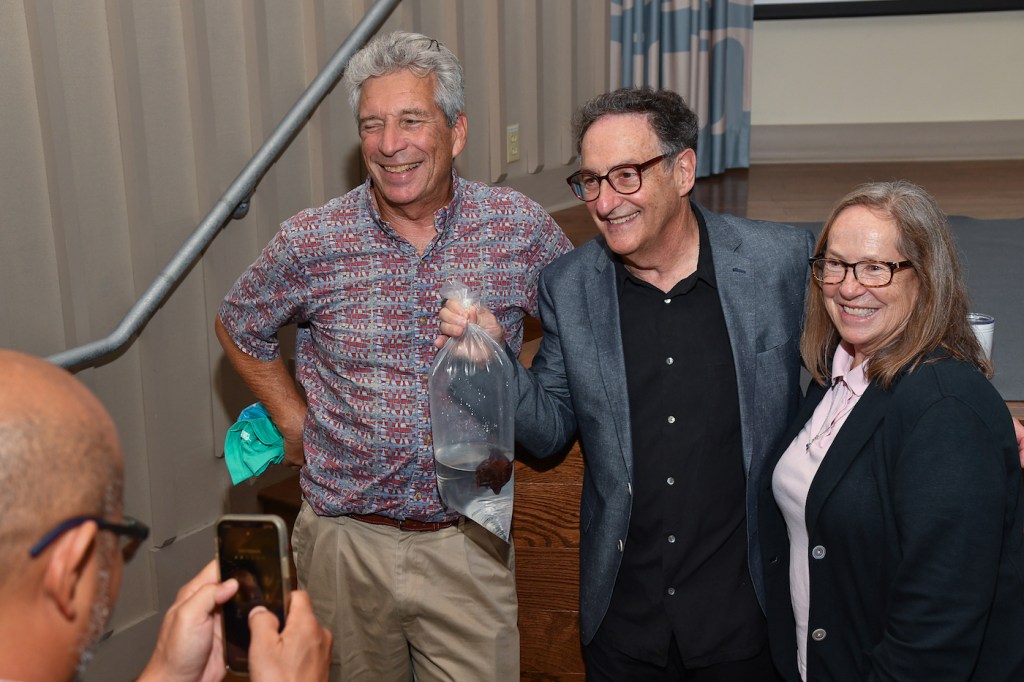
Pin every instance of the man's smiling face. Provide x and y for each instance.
(636, 226)
(407, 145)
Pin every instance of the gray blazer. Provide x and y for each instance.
(578, 378)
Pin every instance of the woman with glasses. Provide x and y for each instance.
(891, 523)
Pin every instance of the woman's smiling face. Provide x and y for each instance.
(867, 318)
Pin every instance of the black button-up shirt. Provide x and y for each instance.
(684, 567)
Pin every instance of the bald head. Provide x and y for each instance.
(59, 454)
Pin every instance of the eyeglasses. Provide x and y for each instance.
(870, 273)
(434, 44)
(130, 533)
(624, 179)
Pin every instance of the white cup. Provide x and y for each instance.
(984, 326)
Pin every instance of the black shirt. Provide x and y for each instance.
(684, 567)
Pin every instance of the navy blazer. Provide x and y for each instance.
(578, 377)
(916, 544)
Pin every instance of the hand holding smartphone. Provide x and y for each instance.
(252, 549)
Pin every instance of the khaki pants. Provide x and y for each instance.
(407, 605)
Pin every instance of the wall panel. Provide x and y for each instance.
(28, 284)
(556, 55)
(520, 76)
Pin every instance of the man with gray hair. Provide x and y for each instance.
(409, 587)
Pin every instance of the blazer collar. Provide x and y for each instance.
(737, 284)
(602, 300)
(858, 429)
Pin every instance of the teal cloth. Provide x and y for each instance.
(252, 444)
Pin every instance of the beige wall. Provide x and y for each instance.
(123, 123)
(936, 67)
(889, 87)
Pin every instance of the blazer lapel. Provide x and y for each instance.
(815, 393)
(602, 299)
(601, 295)
(850, 441)
(736, 290)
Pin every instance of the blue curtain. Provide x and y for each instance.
(700, 49)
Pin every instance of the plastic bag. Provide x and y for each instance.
(472, 415)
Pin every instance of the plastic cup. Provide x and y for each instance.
(984, 326)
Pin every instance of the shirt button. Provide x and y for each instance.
(669, 361)
(670, 480)
(621, 545)
(818, 635)
(671, 591)
(671, 420)
(818, 552)
(668, 300)
(671, 539)
(629, 489)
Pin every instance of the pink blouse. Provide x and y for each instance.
(795, 472)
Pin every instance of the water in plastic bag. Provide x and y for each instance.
(472, 415)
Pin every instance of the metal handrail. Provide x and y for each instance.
(234, 203)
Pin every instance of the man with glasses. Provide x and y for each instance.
(64, 542)
(409, 588)
(670, 344)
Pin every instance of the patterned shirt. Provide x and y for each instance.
(366, 306)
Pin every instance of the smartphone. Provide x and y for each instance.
(252, 549)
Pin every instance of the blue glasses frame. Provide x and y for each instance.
(132, 532)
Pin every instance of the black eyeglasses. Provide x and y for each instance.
(624, 179)
(434, 44)
(130, 533)
(870, 273)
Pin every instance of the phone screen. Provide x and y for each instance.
(250, 551)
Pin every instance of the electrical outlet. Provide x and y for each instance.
(512, 142)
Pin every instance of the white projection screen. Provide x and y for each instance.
(818, 9)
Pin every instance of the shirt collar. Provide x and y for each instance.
(705, 265)
(854, 377)
(444, 217)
